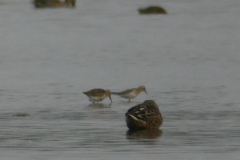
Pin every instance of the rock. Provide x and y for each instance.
(21, 115)
(54, 3)
(152, 10)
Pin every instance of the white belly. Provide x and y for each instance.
(97, 99)
(128, 96)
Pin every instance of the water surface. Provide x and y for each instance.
(188, 60)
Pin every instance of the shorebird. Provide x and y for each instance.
(98, 95)
(143, 116)
(131, 93)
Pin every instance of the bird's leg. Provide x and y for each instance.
(91, 101)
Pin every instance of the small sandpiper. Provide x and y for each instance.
(131, 93)
(98, 95)
(143, 116)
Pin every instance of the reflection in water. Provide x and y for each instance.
(149, 134)
(99, 105)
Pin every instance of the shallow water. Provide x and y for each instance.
(188, 60)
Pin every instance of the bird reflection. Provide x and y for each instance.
(99, 105)
(148, 133)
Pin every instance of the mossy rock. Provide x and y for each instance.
(152, 10)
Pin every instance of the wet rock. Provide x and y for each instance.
(21, 115)
(54, 3)
(152, 10)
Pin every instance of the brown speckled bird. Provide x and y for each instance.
(131, 93)
(143, 116)
(98, 95)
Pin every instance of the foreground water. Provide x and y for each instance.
(188, 60)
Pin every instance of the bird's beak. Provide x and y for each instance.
(145, 91)
(110, 98)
